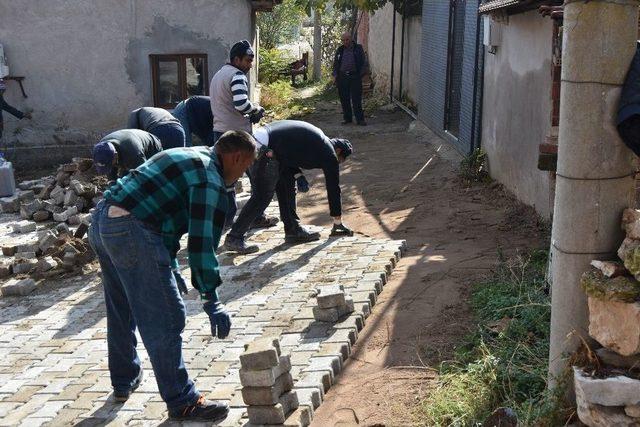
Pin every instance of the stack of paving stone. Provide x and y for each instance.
(267, 386)
(67, 197)
(332, 304)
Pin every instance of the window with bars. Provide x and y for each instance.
(178, 76)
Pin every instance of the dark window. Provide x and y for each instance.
(177, 77)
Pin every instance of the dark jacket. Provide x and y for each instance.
(199, 116)
(149, 118)
(358, 53)
(630, 97)
(134, 147)
(9, 109)
(298, 144)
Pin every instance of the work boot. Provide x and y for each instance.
(301, 235)
(123, 395)
(265, 222)
(202, 410)
(235, 244)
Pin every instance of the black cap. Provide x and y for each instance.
(241, 49)
(344, 145)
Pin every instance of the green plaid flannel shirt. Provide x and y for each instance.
(182, 191)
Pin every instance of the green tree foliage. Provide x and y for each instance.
(280, 26)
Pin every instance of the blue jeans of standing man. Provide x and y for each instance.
(170, 135)
(140, 290)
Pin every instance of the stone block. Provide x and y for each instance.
(301, 417)
(63, 229)
(77, 187)
(20, 256)
(615, 325)
(609, 268)
(50, 206)
(69, 260)
(330, 297)
(18, 287)
(81, 204)
(9, 204)
(611, 358)
(82, 230)
(28, 247)
(621, 288)
(612, 391)
(5, 269)
(46, 264)
(70, 198)
(334, 314)
(25, 227)
(84, 164)
(632, 410)
(9, 250)
(602, 416)
(274, 414)
(265, 377)
(28, 209)
(74, 220)
(69, 167)
(268, 395)
(57, 194)
(25, 266)
(26, 196)
(309, 396)
(262, 353)
(631, 223)
(47, 241)
(40, 216)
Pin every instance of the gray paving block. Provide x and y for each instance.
(265, 377)
(268, 395)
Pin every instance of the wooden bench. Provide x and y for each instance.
(297, 68)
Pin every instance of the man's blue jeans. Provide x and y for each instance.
(170, 135)
(140, 290)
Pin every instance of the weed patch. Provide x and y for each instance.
(504, 362)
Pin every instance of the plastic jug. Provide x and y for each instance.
(7, 180)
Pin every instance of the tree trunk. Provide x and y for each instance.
(595, 180)
(317, 45)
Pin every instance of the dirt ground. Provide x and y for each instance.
(402, 183)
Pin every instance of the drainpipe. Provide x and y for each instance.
(393, 51)
(595, 176)
(404, 18)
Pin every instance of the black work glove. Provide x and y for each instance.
(219, 318)
(182, 284)
(257, 116)
(302, 184)
(341, 230)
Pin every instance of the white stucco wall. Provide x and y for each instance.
(380, 42)
(517, 108)
(87, 62)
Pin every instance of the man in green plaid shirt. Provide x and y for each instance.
(136, 233)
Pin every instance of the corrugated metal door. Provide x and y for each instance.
(454, 67)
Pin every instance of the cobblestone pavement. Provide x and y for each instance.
(53, 357)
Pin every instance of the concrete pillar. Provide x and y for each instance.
(595, 170)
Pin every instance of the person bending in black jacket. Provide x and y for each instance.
(285, 147)
(120, 151)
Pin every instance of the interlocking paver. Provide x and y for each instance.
(53, 352)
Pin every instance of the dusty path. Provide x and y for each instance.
(402, 184)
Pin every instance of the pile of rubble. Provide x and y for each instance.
(267, 386)
(67, 197)
(608, 392)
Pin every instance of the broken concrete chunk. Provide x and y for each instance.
(51, 206)
(41, 216)
(23, 226)
(24, 266)
(9, 204)
(5, 269)
(16, 287)
(263, 353)
(69, 167)
(610, 268)
(77, 187)
(69, 260)
(73, 220)
(63, 229)
(631, 223)
(615, 325)
(84, 164)
(26, 196)
(57, 194)
(611, 391)
(621, 288)
(28, 209)
(273, 414)
(46, 264)
(47, 241)
(25, 255)
(9, 250)
(70, 198)
(265, 377)
(301, 417)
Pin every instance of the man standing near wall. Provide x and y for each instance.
(160, 123)
(348, 69)
(233, 110)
